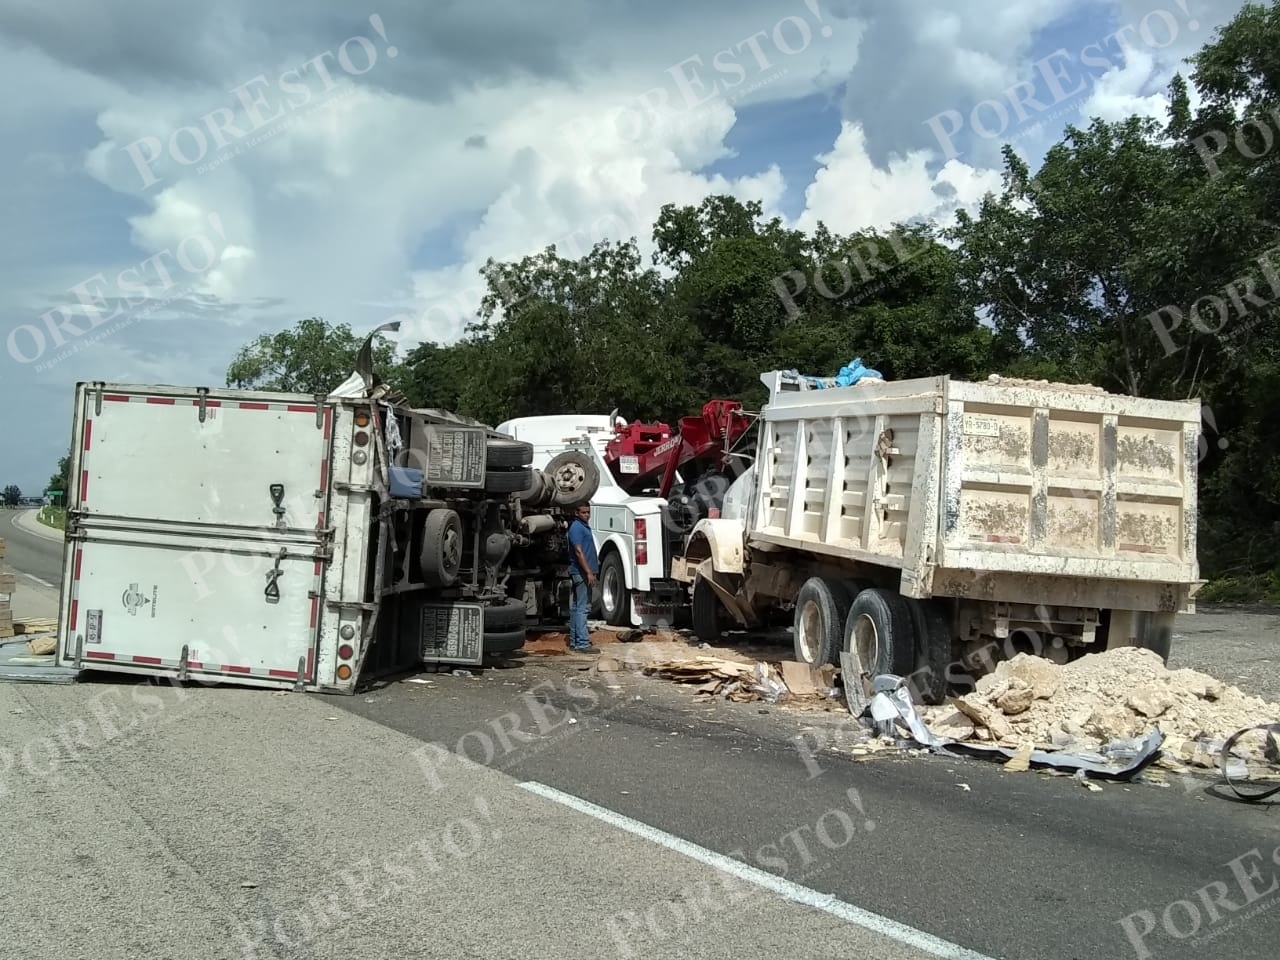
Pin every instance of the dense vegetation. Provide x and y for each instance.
(1066, 267)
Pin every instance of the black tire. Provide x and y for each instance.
(505, 454)
(441, 556)
(516, 480)
(890, 649)
(931, 626)
(505, 616)
(705, 610)
(611, 570)
(574, 477)
(818, 627)
(508, 641)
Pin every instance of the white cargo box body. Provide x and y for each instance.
(1019, 492)
(174, 535)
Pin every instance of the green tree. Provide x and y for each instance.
(313, 357)
(12, 495)
(61, 479)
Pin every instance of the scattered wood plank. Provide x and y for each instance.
(7, 582)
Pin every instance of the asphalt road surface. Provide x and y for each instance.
(1010, 865)
(29, 553)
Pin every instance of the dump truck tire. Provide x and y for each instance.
(507, 453)
(879, 629)
(932, 629)
(818, 626)
(705, 612)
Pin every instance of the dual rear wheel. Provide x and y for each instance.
(888, 632)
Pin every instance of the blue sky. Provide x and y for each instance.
(384, 204)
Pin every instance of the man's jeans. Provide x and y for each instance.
(578, 607)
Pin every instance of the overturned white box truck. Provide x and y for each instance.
(932, 526)
(304, 542)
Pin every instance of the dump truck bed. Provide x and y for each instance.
(955, 482)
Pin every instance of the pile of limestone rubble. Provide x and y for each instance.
(1103, 698)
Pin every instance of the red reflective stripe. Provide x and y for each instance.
(195, 664)
(289, 674)
(75, 611)
(88, 433)
(207, 403)
(328, 421)
(315, 610)
(227, 669)
(99, 655)
(310, 656)
(324, 473)
(254, 406)
(116, 398)
(154, 660)
(164, 400)
(299, 408)
(84, 485)
(317, 570)
(75, 575)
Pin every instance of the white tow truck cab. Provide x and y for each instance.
(919, 523)
(632, 534)
(285, 540)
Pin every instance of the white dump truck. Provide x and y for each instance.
(920, 523)
(305, 542)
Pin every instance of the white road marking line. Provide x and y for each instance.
(44, 583)
(787, 889)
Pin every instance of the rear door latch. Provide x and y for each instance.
(272, 593)
(277, 497)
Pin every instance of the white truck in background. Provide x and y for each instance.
(286, 540)
(920, 523)
(634, 587)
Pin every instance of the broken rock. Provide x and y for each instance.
(1150, 701)
(1017, 699)
(1038, 673)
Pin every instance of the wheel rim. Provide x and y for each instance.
(807, 628)
(609, 589)
(866, 642)
(570, 478)
(451, 551)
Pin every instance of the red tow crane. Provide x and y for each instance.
(639, 453)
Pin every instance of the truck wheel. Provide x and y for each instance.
(508, 641)
(507, 453)
(615, 598)
(879, 630)
(516, 480)
(705, 612)
(574, 476)
(441, 556)
(818, 624)
(931, 627)
(504, 616)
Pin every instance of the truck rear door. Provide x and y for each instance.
(197, 538)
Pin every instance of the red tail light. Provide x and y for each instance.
(642, 542)
(345, 651)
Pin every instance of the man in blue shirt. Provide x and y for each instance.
(583, 567)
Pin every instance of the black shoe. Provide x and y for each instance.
(587, 649)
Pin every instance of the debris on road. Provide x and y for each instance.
(1102, 704)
